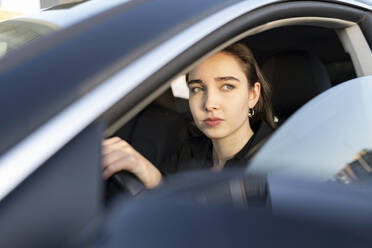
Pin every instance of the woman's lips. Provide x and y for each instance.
(212, 122)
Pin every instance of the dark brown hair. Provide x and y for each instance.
(263, 110)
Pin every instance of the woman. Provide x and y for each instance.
(230, 103)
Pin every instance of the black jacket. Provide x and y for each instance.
(196, 153)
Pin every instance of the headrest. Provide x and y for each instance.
(296, 77)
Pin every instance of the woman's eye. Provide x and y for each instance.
(195, 89)
(227, 87)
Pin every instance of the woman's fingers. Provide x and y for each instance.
(113, 144)
(125, 163)
(112, 140)
(119, 155)
(113, 149)
(112, 157)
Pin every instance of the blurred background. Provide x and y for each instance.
(14, 8)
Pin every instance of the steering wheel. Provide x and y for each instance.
(127, 183)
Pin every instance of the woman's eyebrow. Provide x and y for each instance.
(227, 78)
(194, 81)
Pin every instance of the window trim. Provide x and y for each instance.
(357, 46)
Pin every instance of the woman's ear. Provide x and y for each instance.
(254, 94)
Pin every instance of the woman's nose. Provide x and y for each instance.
(211, 101)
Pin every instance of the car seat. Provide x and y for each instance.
(155, 132)
(296, 77)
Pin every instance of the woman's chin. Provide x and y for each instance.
(214, 133)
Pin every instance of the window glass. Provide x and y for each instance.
(330, 132)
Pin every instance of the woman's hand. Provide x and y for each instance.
(119, 155)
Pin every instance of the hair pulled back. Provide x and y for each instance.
(263, 109)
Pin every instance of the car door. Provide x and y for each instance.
(103, 71)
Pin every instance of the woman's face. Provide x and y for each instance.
(220, 97)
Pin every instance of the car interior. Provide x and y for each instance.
(299, 61)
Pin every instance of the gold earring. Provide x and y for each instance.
(251, 113)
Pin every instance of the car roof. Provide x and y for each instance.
(79, 11)
(363, 2)
(360, 3)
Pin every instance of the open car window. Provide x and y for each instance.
(308, 57)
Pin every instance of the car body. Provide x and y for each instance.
(63, 93)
